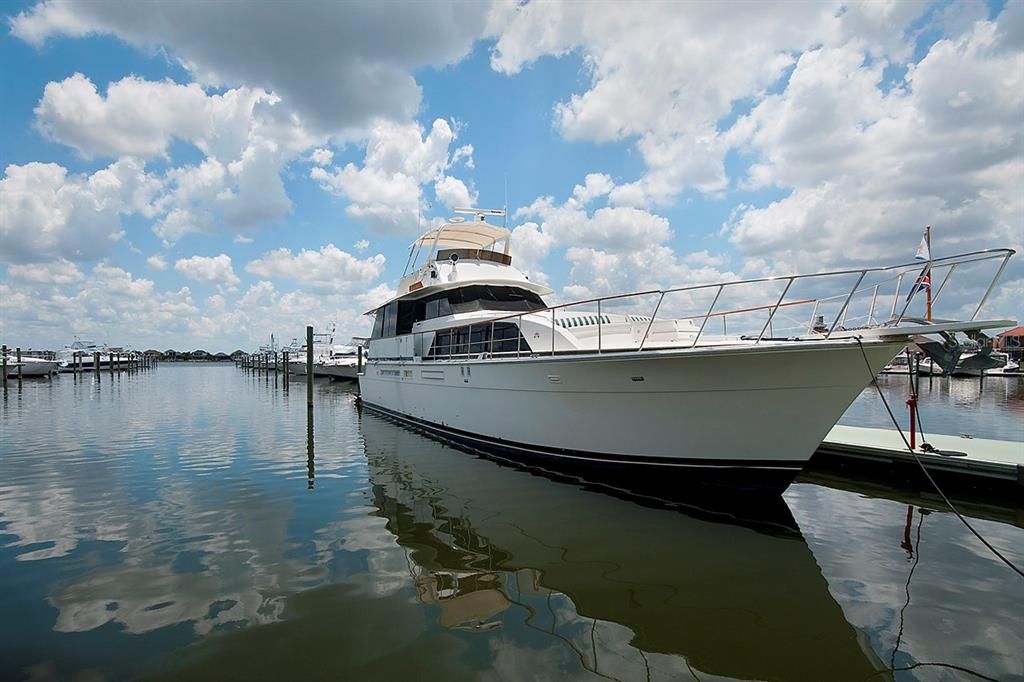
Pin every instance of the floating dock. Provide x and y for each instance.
(974, 462)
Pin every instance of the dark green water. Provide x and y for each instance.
(182, 524)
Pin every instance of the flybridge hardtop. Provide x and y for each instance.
(459, 252)
(732, 383)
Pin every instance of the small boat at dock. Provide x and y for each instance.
(30, 366)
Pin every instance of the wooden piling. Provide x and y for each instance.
(96, 363)
(3, 351)
(309, 366)
(359, 360)
(310, 457)
(284, 366)
(18, 360)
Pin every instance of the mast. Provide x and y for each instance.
(928, 274)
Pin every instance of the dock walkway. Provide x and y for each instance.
(978, 459)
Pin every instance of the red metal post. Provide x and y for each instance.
(912, 404)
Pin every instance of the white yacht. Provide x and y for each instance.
(469, 349)
(342, 364)
(898, 365)
(323, 352)
(30, 366)
(82, 354)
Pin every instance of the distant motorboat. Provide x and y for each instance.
(82, 354)
(978, 364)
(899, 365)
(30, 367)
(340, 362)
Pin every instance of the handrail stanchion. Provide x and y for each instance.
(949, 273)
(776, 308)
(846, 303)
(999, 272)
(519, 343)
(706, 317)
(650, 324)
(814, 313)
(552, 332)
(598, 326)
(896, 296)
(871, 310)
(913, 290)
(491, 341)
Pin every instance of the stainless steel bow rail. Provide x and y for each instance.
(868, 281)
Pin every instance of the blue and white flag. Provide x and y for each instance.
(923, 252)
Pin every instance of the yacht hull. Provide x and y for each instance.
(745, 418)
(343, 372)
(32, 368)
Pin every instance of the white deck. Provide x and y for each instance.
(984, 457)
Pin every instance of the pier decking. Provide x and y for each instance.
(975, 461)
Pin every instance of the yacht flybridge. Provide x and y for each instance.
(732, 383)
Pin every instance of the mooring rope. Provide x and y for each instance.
(924, 469)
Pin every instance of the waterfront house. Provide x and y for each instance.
(1011, 342)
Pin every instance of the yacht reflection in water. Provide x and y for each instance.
(487, 542)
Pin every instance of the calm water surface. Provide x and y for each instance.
(185, 523)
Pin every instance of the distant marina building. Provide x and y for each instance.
(1011, 342)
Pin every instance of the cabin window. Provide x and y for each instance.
(378, 324)
(405, 317)
(478, 339)
(478, 297)
(390, 319)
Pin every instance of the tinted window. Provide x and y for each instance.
(479, 297)
(390, 319)
(478, 339)
(406, 316)
(378, 324)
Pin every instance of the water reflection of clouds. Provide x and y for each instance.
(211, 530)
(965, 606)
(196, 543)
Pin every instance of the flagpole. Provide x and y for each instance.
(928, 240)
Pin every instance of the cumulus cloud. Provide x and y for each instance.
(101, 304)
(453, 192)
(328, 269)
(942, 148)
(156, 262)
(58, 272)
(530, 246)
(49, 214)
(618, 228)
(353, 63)
(646, 85)
(245, 135)
(208, 269)
(140, 118)
(322, 157)
(386, 192)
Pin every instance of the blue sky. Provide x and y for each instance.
(183, 188)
